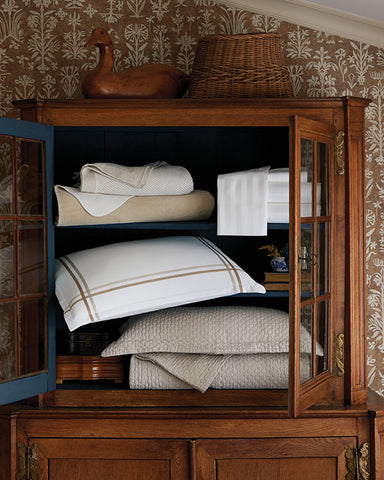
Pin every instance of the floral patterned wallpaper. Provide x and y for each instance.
(42, 54)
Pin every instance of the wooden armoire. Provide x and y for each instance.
(326, 428)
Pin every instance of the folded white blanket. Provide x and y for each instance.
(157, 178)
(236, 372)
(242, 202)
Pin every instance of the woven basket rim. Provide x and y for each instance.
(240, 35)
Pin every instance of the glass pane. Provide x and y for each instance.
(322, 337)
(31, 258)
(306, 260)
(8, 350)
(322, 258)
(306, 177)
(29, 177)
(32, 326)
(7, 259)
(6, 176)
(306, 344)
(322, 179)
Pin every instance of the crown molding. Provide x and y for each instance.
(318, 17)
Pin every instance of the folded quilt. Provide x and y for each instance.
(198, 371)
(214, 329)
(236, 372)
(77, 208)
(157, 178)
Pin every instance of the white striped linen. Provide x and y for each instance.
(242, 202)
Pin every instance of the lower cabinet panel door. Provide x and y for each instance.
(274, 459)
(108, 459)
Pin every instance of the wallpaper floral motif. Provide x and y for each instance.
(42, 54)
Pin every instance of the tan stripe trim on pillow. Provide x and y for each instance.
(83, 296)
(85, 285)
(225, 261)
(142, 282)
(157, 274)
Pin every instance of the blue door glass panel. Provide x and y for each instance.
(27, 313)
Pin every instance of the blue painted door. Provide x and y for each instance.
(27, 320)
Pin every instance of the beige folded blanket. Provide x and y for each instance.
(197, 205)
(263, 370)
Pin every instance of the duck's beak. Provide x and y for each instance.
(93, 39)
(90, 42)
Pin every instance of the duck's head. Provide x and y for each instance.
(99, 36)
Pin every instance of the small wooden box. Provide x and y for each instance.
(88, 367)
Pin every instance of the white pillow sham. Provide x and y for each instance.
(208, 330)
(129, 278)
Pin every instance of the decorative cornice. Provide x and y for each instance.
(318, 17)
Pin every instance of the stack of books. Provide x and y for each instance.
(276, 281)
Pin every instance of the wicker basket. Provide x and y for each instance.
(244, 65)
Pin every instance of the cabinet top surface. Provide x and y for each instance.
(188, 102)
(183, 112)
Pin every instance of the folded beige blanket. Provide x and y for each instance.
(197, 205)
(263, 370)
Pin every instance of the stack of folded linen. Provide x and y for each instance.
(278, 195)
(111, 193)
(201, 347)
(248, 200)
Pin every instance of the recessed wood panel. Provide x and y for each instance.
(62, 469)
(110, 458)
(276, 459)
(277, 469)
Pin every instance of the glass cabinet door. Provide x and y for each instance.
(311, 250)
(26, 279)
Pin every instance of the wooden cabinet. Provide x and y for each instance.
(60, 458)
(276, 459)
(320, 428)
(201, 444)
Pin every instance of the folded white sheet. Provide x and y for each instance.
(278, 192)
(282, 175)
(157, 178)
(263, 370)
(279, 212)
(242, 202)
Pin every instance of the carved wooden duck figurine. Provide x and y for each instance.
(153, 80)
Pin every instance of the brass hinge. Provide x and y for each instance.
(22, 461)
(357, 462)
(363, 461)
(27, 458)
(339, 343)
(339, 149)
